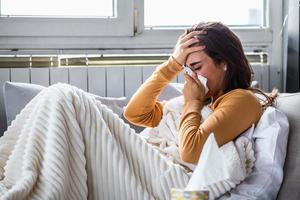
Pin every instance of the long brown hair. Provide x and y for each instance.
(222, 45)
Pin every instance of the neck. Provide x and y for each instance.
(216, 96)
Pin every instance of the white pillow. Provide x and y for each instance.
(116, 104)
(170, 91)
(17, 95)
(270, 145)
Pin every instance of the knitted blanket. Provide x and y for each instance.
(66, 145)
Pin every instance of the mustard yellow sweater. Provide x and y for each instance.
(233, 113)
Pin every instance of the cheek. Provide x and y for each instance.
(206, 75)
(212, 81)
(218, 79)
(203, 72)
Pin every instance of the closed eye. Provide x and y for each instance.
(196, 65)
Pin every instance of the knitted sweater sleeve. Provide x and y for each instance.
(143, 108)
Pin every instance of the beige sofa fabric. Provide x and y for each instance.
(290, 189)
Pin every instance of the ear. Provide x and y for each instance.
(224, 66)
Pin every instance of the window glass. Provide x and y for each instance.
(176, 13)
(59, 8)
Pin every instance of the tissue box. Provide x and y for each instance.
(180, 194)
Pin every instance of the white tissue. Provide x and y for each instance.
(188, 70)
(211, 168)
(202, 79)
(221, 169)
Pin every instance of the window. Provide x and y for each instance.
(188, 12)
(138, 26)
(66, 18)
(57, 8)
(126, 24)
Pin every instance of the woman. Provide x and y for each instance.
(213, 51)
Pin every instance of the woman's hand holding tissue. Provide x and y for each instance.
(193, 88)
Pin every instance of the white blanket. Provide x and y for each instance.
(219, 169)
(66, 145)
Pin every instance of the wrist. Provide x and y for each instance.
(177, 61)
(174, 64)
(193, 105)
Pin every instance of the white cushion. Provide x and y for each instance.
(17, 95)
(270, 144)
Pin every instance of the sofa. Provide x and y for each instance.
(286, 102)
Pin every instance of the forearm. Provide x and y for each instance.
(191, 139)
(143, 108)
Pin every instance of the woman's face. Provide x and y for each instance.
(202, 64)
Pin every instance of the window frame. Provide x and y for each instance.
(112, 36)
(141, 40)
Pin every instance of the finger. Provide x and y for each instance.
(192, 34)
(188, 78)
(189, 36)
(192, 78)
(195, 77)
(194, 49)
(182, 35)
(190, 42)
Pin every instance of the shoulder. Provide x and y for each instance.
(238, 97)
(240, 103)
(241, 93)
